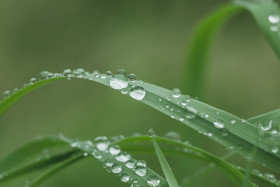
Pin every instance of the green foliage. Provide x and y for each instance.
(256, 138)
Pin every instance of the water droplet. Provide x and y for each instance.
(176, 92)
(191, 112)
(273, 19)
(102, 143)
(137, 93)
(274, 28)
(141, 171)
(173, 135)
(6, 93)
(153, 181)
(130, 164)
(265, 125)
(233, 121)
(275, 149)
(44, 75)
(209, 134)
(132, 77)
(125, 178)
(78, 72)
(33, 80)
(141, 163)
(114, 150)
(119, 80)
(116, 169)
(123, 157)
(67, 73)
(219, 124)
(109, 162)
(109, 73)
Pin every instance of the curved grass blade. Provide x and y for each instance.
(267, 14)
(144, 144)
(201, 40)
(54, 169)
(221, 126)
(113, 158)
(170, 178)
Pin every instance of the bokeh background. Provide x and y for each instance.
(148, 38)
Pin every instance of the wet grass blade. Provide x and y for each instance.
(170, 178)
(219, 125)
(116, 162)
(267, 15)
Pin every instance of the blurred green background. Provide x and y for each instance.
(148, 38)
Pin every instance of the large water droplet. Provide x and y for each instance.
(153, 181)
(219, 124)
(102, 143)
(119, 80)
(141, 163)
(273, 19)
(137, 93)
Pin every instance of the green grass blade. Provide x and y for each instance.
(170, 178)
(100, 149)
(223, 127)
(199, 47)
(56, 168)
(208, 27)
(274, 116)
(261, 10)
(145, 144)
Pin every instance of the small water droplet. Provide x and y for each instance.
(233, 121)
(141, 171)
(44, 75)
(218, 124)
(109, 162)
(173, 135)
(132, 77)
(125, 178)
(176, 92)
(153, 181)
(137, 93)
(273, 18)
(116, 169)
(275, 149)
(265, 125)
(123, 157)
(67, 72)
(114, 150)
(102, 143)
(141, 163)
(274, 28)
(191, 112)
(130, 164)
(6, 93)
